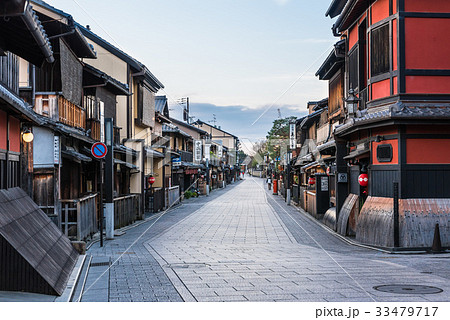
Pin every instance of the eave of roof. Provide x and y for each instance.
(181, 123)
(335, 8)
(61, 24)
(352, 10)
(331, 64)
(115, 86)
(309, 120)
(201, 122)
(19, 106)
(33, 44)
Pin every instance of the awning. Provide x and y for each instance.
(125, 150)
(153, 153)
(356, 153)
(310, 165)
(301, 160)
(190, 165)
(323, 148)
(73, 155)
(126, 164)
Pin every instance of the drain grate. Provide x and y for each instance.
(408, 289)
(100, 264)
(186, 265)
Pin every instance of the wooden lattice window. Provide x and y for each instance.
(379, 50)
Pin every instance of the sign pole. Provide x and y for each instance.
(101, 200)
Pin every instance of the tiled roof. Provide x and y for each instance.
(398, 111)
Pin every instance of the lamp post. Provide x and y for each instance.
(352, 102)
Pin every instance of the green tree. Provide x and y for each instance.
(278, 134)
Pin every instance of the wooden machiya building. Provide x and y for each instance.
(34, 255)
(391, 68)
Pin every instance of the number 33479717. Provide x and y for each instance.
(406, 311)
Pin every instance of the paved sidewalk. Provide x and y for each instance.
(135, 275)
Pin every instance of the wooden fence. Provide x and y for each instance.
(311, 203)
(79, 217)
(126, 210)
(172, 196)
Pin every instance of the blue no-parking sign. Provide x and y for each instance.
(99, 150)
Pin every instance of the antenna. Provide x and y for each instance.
(279, 114)
(214, 120)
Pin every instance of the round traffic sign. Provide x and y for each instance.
(99, 150)
(151, 180)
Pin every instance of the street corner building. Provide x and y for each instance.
(378, 147)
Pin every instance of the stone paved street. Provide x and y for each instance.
(243, 244)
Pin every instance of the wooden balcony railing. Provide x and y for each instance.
(94, 126)
(186, 156)
(71, 114)
(60, 109)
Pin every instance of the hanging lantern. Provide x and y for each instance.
(27, 135)
(312, 181)
(363, 179)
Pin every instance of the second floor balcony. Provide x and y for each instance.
(58, 108)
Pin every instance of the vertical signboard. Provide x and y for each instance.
(292, 136)
(102, 121)
(207, 150)
(197, 151)
(56, 149)
(219, 152)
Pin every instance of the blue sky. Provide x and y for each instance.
(233, 58)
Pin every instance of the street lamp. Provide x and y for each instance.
(352, 102)
(27, 135)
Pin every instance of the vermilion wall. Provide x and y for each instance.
(427, 6)
(380, 10)
(427, 84)
(3, 133)
(425, 46)
(428, 151)
(381, 89)
(14, 134)
(393, 143)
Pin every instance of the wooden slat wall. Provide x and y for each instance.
(417, 218)
(346, 224)
(30, 233)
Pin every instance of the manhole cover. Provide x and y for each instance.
(408, 289)
(186, 265)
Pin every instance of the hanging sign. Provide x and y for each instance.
(197, 151)
(363, 179)
(176, 162)
(207, 150)
(99, 150)
(56, 150)
(292, 136)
